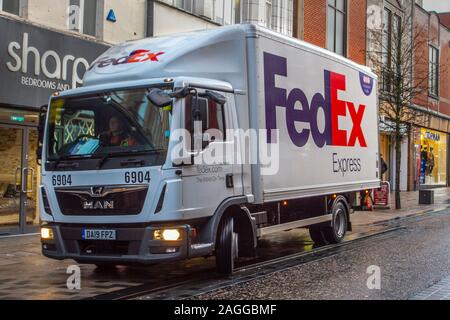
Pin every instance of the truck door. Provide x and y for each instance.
(213, 177)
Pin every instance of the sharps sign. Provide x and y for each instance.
(35, 62)
(327, 102)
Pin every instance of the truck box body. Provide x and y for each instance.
(316, 112)
(326, 110)
(309, 94)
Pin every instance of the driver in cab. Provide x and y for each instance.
(116, 136)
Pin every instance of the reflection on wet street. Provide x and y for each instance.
(26, 274)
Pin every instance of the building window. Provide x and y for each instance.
(219, 11)
(11, 6)
(281, 16)
(276, 14)
(237, 11)
(391, 44)
(337, 26)
(83, 16)
(434, 71)
(184, 4)
(268, 17)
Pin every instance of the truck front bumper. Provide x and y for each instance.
(132, 245)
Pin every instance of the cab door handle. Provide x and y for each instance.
(229, 180)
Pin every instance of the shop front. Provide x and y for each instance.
(431, 154)
(34, 63)
(387, 154)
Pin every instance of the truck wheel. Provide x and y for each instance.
(338, 229)
(226, 247)
(105, 265)
(317, 236)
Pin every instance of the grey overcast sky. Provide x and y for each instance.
(437, 5)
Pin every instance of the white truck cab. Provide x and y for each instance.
(121, 179)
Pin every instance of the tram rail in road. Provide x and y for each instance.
(205, 282)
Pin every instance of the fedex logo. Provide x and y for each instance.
(134, 57)
(333, 108)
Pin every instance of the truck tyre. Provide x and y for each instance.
(338, 229)
(317, 236)
(105, 266)
(226, 247)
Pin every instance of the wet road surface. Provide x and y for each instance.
(26, 274)
(411, 260)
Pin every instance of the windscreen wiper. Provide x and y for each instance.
(107, 156)
(70, 157)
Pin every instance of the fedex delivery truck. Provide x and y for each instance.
(198, 144)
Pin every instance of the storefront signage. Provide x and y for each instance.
(17, 118)
(432, 136)
(381, 195)
(388, 126)
(35, 62)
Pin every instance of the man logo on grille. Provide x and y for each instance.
(97, 191)
(95, 205)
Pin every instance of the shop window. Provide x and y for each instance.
(83, 16)
(433, 157)
(11, 6)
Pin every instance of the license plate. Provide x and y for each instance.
(98, 234)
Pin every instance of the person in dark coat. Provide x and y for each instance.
(384, 166)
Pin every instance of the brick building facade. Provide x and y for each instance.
(445, 19)
(313, 23)
(429, 141)
(320, 22)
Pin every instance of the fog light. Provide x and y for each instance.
(46, 234)
(171, 235)
(167, 235)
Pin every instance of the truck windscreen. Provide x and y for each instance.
(106, 124)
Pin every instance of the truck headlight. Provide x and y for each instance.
(167, 235)
(46, 233)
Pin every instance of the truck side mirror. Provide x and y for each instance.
(159, 98)
(216, 97)
(41, 130)
(200, 111)
(184, 161)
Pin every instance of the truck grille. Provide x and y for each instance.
(100, 201)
